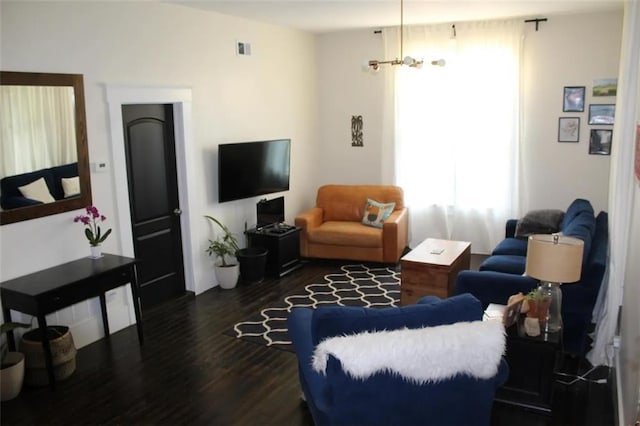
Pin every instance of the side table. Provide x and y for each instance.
(532, 364)
(50, 290)
(283, 247)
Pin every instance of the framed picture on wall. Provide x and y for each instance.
(600, 142)
(573, 99)
(605, 87)
(602, 113)
(568, 129)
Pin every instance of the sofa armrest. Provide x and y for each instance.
(395, 235)
(493, 287)
(510, 228)
(307, 220)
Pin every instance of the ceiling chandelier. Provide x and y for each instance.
(409, 61)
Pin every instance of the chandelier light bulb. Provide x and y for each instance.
(439, 63)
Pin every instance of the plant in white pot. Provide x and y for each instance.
(12, 365)
(223, 247)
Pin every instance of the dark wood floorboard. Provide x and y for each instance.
(189, 373)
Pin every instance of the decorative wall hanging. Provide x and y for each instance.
(573, 99)
(602, 113)
(605, 87)
(568, 129)
(600, 142)
(356, 131)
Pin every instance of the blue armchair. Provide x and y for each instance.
(431, 363)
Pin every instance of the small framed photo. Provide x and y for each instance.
(605, 87)
(573, 99)
(568, 129)
(600, 142)
(602, 113)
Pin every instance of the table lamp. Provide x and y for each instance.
(553, 259)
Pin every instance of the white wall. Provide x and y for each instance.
(566, 51)
(570, 50)
(150, 44)
(346, 90)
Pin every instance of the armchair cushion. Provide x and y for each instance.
(509, 263)
(512, 246)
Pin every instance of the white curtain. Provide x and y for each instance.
(37, 128)
(620, 189)
(457, 129)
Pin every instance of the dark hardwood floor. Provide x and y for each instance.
(189, 372)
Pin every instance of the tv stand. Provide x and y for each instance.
(283, 243)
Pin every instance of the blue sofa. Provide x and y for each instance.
(11, 197)
(385, 397)
(501, 275)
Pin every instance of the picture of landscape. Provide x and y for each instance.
(605, 87)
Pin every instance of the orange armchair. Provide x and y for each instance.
(333, 229)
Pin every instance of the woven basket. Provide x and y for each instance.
(63, 355)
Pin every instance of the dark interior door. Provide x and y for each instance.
(153, 196)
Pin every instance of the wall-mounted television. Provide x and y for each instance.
(249, 169)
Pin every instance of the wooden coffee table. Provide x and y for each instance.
(431, 269)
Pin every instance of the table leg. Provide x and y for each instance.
(105, 319)
(136, 303)
(48, 359)
(11, 341)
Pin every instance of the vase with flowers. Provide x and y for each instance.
(91, 220)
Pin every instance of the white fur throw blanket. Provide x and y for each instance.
(421, 355)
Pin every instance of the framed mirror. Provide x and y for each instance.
(44, 159)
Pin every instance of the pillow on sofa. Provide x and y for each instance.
(375, 213)
(539, 222)
(71, 186)
(37, 190)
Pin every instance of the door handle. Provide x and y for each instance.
(177, 212)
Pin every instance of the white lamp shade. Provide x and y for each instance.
(554, 258)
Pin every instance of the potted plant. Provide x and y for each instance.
(92, 230)
(222, 247)
(537, 312)
(12, 365)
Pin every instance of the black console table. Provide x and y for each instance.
(532, 365)
(283, 243)
(52, 289)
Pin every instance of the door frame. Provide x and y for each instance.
(180, 98)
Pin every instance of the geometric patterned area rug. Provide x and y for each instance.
(354, 285)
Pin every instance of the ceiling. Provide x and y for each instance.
(322, 16)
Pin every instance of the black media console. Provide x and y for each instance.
(283, 243)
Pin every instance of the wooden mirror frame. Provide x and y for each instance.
(11, 78)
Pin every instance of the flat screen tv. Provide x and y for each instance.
(269, 212)
(249, 169)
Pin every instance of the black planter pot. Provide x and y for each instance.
(253, 262)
